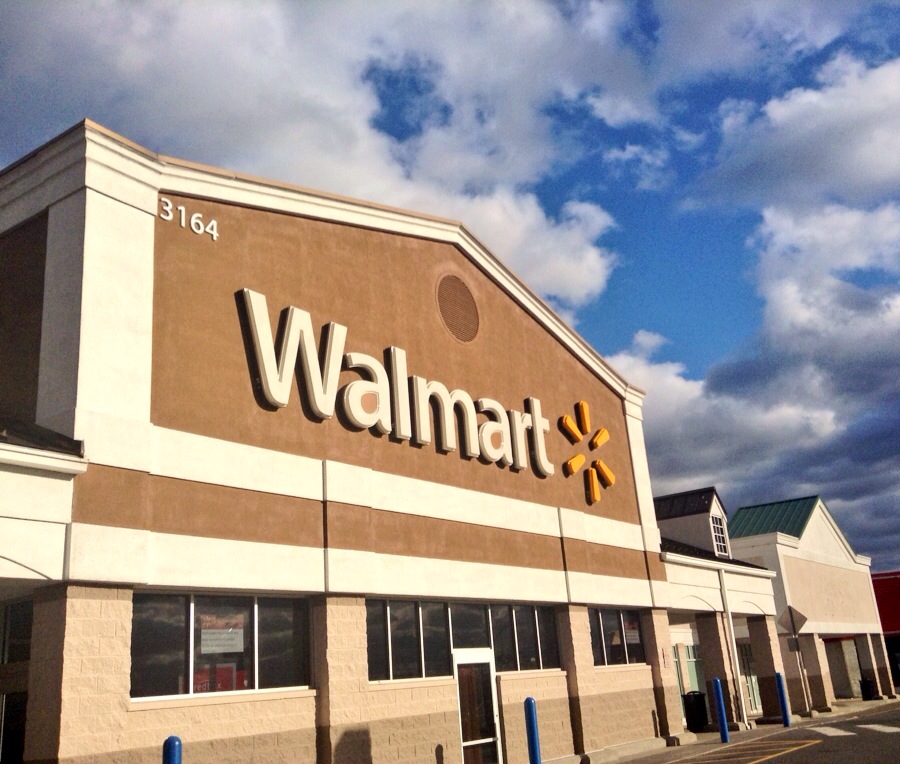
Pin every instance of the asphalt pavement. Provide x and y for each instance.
(854, 732)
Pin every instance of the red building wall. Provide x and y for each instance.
(887, 594)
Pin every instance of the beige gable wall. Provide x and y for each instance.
(822, 541)
(834, 599)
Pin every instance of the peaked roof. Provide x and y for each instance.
(789, 517)
(107, 155)
(697, 502)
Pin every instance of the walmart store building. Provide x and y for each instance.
(299, 478)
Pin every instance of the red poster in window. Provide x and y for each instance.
(227, 679)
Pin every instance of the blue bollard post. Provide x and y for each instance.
(531, 731)
(720, 710)
(782, 699)
(172, 750)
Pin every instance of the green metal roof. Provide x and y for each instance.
(788, 517)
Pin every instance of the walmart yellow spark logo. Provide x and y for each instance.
(598, 473)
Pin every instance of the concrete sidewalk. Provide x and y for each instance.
(707, 741)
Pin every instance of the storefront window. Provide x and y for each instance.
(377, 640)
(634, 644)
(526, 631)
(283, 635)
(549, 641)
(159, 644)
(613, 644)
(405, 643)
(504, 638)
(616, 637)
(230, 637)
(470, 625)
(523, 637)
(15, 632)
(223, 644)
(436, 639)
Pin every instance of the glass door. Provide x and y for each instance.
(478, 718)
(12, 727)
(745, 655)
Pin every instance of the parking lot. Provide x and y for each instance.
(856, 731)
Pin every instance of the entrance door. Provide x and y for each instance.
(745, 656)
(695, 674)
(12, 727)
(478, 718)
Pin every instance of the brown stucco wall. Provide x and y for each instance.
(132, 499)
(382, 287)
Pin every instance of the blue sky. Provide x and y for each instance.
(708, 191)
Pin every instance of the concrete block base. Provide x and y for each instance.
(682, 738)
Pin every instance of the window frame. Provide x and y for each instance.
(719, 529)
(7, 643)
(421, 637)
(448, 609)
(596, 628)
(191, 643)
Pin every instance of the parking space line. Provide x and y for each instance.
(830, 731)
(799, 744)
(751, 752)
(878, 727)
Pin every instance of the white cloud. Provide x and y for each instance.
(840, 141)
(817, 313)
(649, 165)
(697, 39)
(813, 406)
(645, 344)
(696, 438)
(271, 89)
(620, 110)
(686, 140)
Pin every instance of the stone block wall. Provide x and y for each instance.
(612, 704)
(548, 688)
(401, 721)
(416, 721)
(80, 709)
(768, 660)
(618, 706)
(818, 676)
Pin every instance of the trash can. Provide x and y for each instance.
(695, 710)
(867, 688)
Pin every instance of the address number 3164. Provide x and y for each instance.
(192, 221)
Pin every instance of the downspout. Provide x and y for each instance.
(732, 647)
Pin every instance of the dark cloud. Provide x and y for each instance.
(812, 406)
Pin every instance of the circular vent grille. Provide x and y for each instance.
(458, 309)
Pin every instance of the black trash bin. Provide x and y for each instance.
(695, 710)
(867, 688)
